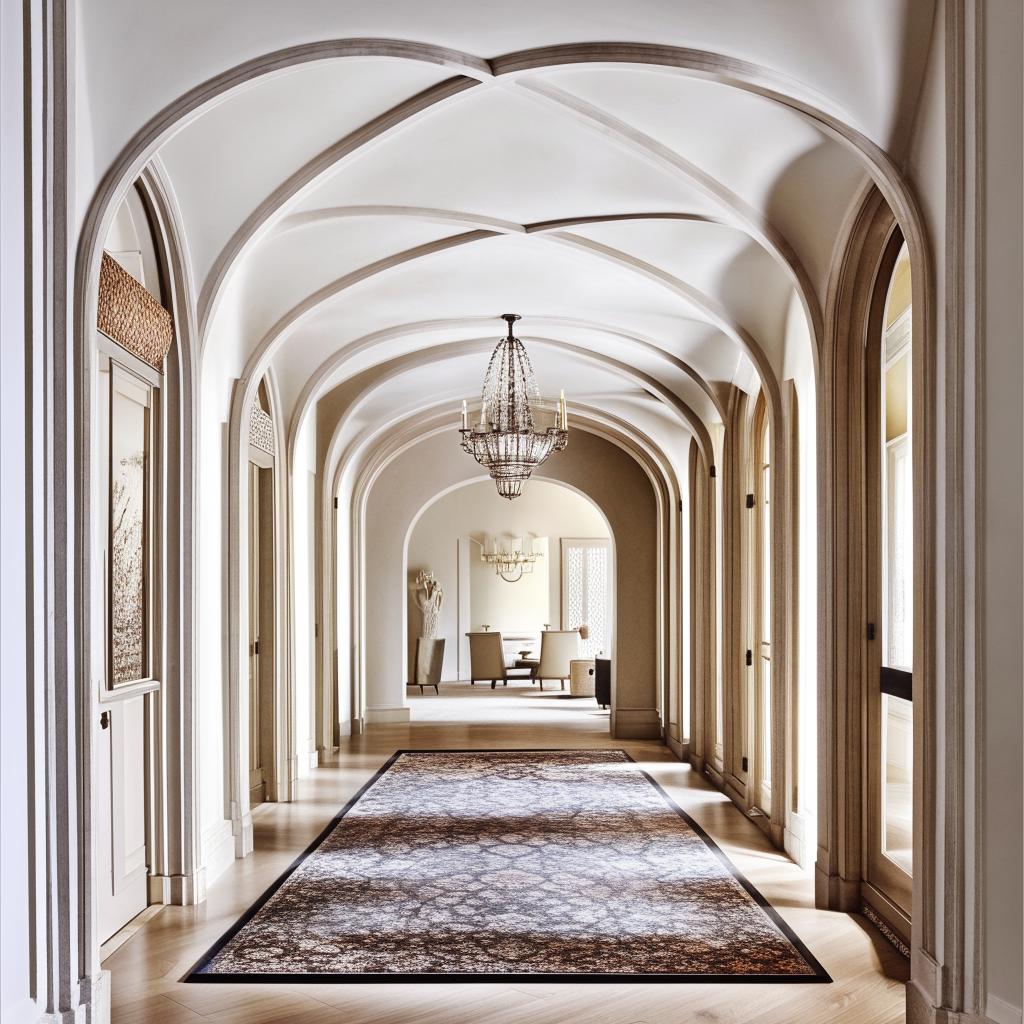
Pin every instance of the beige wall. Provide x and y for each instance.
(545, 509)
(600, 470)
(1003, 538)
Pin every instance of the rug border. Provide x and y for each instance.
(194, 975)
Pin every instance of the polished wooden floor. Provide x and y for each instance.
(146, 969)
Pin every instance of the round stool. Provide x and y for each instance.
(581, 677)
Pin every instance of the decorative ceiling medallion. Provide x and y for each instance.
(509, 439)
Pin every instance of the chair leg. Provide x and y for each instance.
(494, 683)
(561, 684)
(504, 682)
(541, 681)
(437, 689)
(472, 682)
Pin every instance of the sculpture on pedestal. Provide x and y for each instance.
(429, 596)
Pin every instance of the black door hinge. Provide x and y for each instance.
(745, 764)
(680, 504)
(335, 502)
(871, 631)
(750, 501)
(255, 647)
(711, 473)
(750, 657)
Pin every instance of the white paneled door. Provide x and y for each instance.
(126, 524)
(586, 592)
(121, 869)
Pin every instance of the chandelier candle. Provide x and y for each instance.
(509, 444)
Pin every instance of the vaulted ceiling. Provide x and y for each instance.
(658, 217)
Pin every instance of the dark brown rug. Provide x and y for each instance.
(537, 865)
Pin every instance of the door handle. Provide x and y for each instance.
(105, 720)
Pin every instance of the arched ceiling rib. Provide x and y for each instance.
(704, 305)
(834, 46)
(645, 211)
(404, 117)
(365, 458)
(397, 387)
(354, 358)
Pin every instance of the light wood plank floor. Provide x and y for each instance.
(869, 975)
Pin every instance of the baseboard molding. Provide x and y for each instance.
(178, 890)
(920, 1010)
(832, 892)
(736, 791)
(92, 1004)
(636, 724)
(383, 713)
(798, 826)
(999, 1011)
(218, 850)
(241, 829)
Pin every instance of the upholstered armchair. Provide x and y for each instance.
(486, 658)
(557, 648)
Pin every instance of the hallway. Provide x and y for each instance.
(868, 973)
(666, 352)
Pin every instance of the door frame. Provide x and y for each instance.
(111, 699)
(885, 888)
(762, 510)
(176, 874)
(262, 517)
(848, 379)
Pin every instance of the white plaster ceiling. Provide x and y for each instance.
(655, 220)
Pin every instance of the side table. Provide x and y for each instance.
(581, 677)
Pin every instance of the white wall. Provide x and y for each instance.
(798, 367)
(303, 482)
(220, 366)
(545, 509)
(21, 857)
(522, 606)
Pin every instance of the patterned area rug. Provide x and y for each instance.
(535, 865)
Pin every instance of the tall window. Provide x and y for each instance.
(890, 635)
(765, 621)
(762, 611)
(896, 747)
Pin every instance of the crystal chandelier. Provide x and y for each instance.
(506, 439)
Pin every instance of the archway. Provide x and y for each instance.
(567, 583)
(142, 551)
(608, 476)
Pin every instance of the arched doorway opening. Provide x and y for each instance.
(141, 557)
(387, 505)
(557, 575)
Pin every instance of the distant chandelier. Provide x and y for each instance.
(506, 440)
(510, 563)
